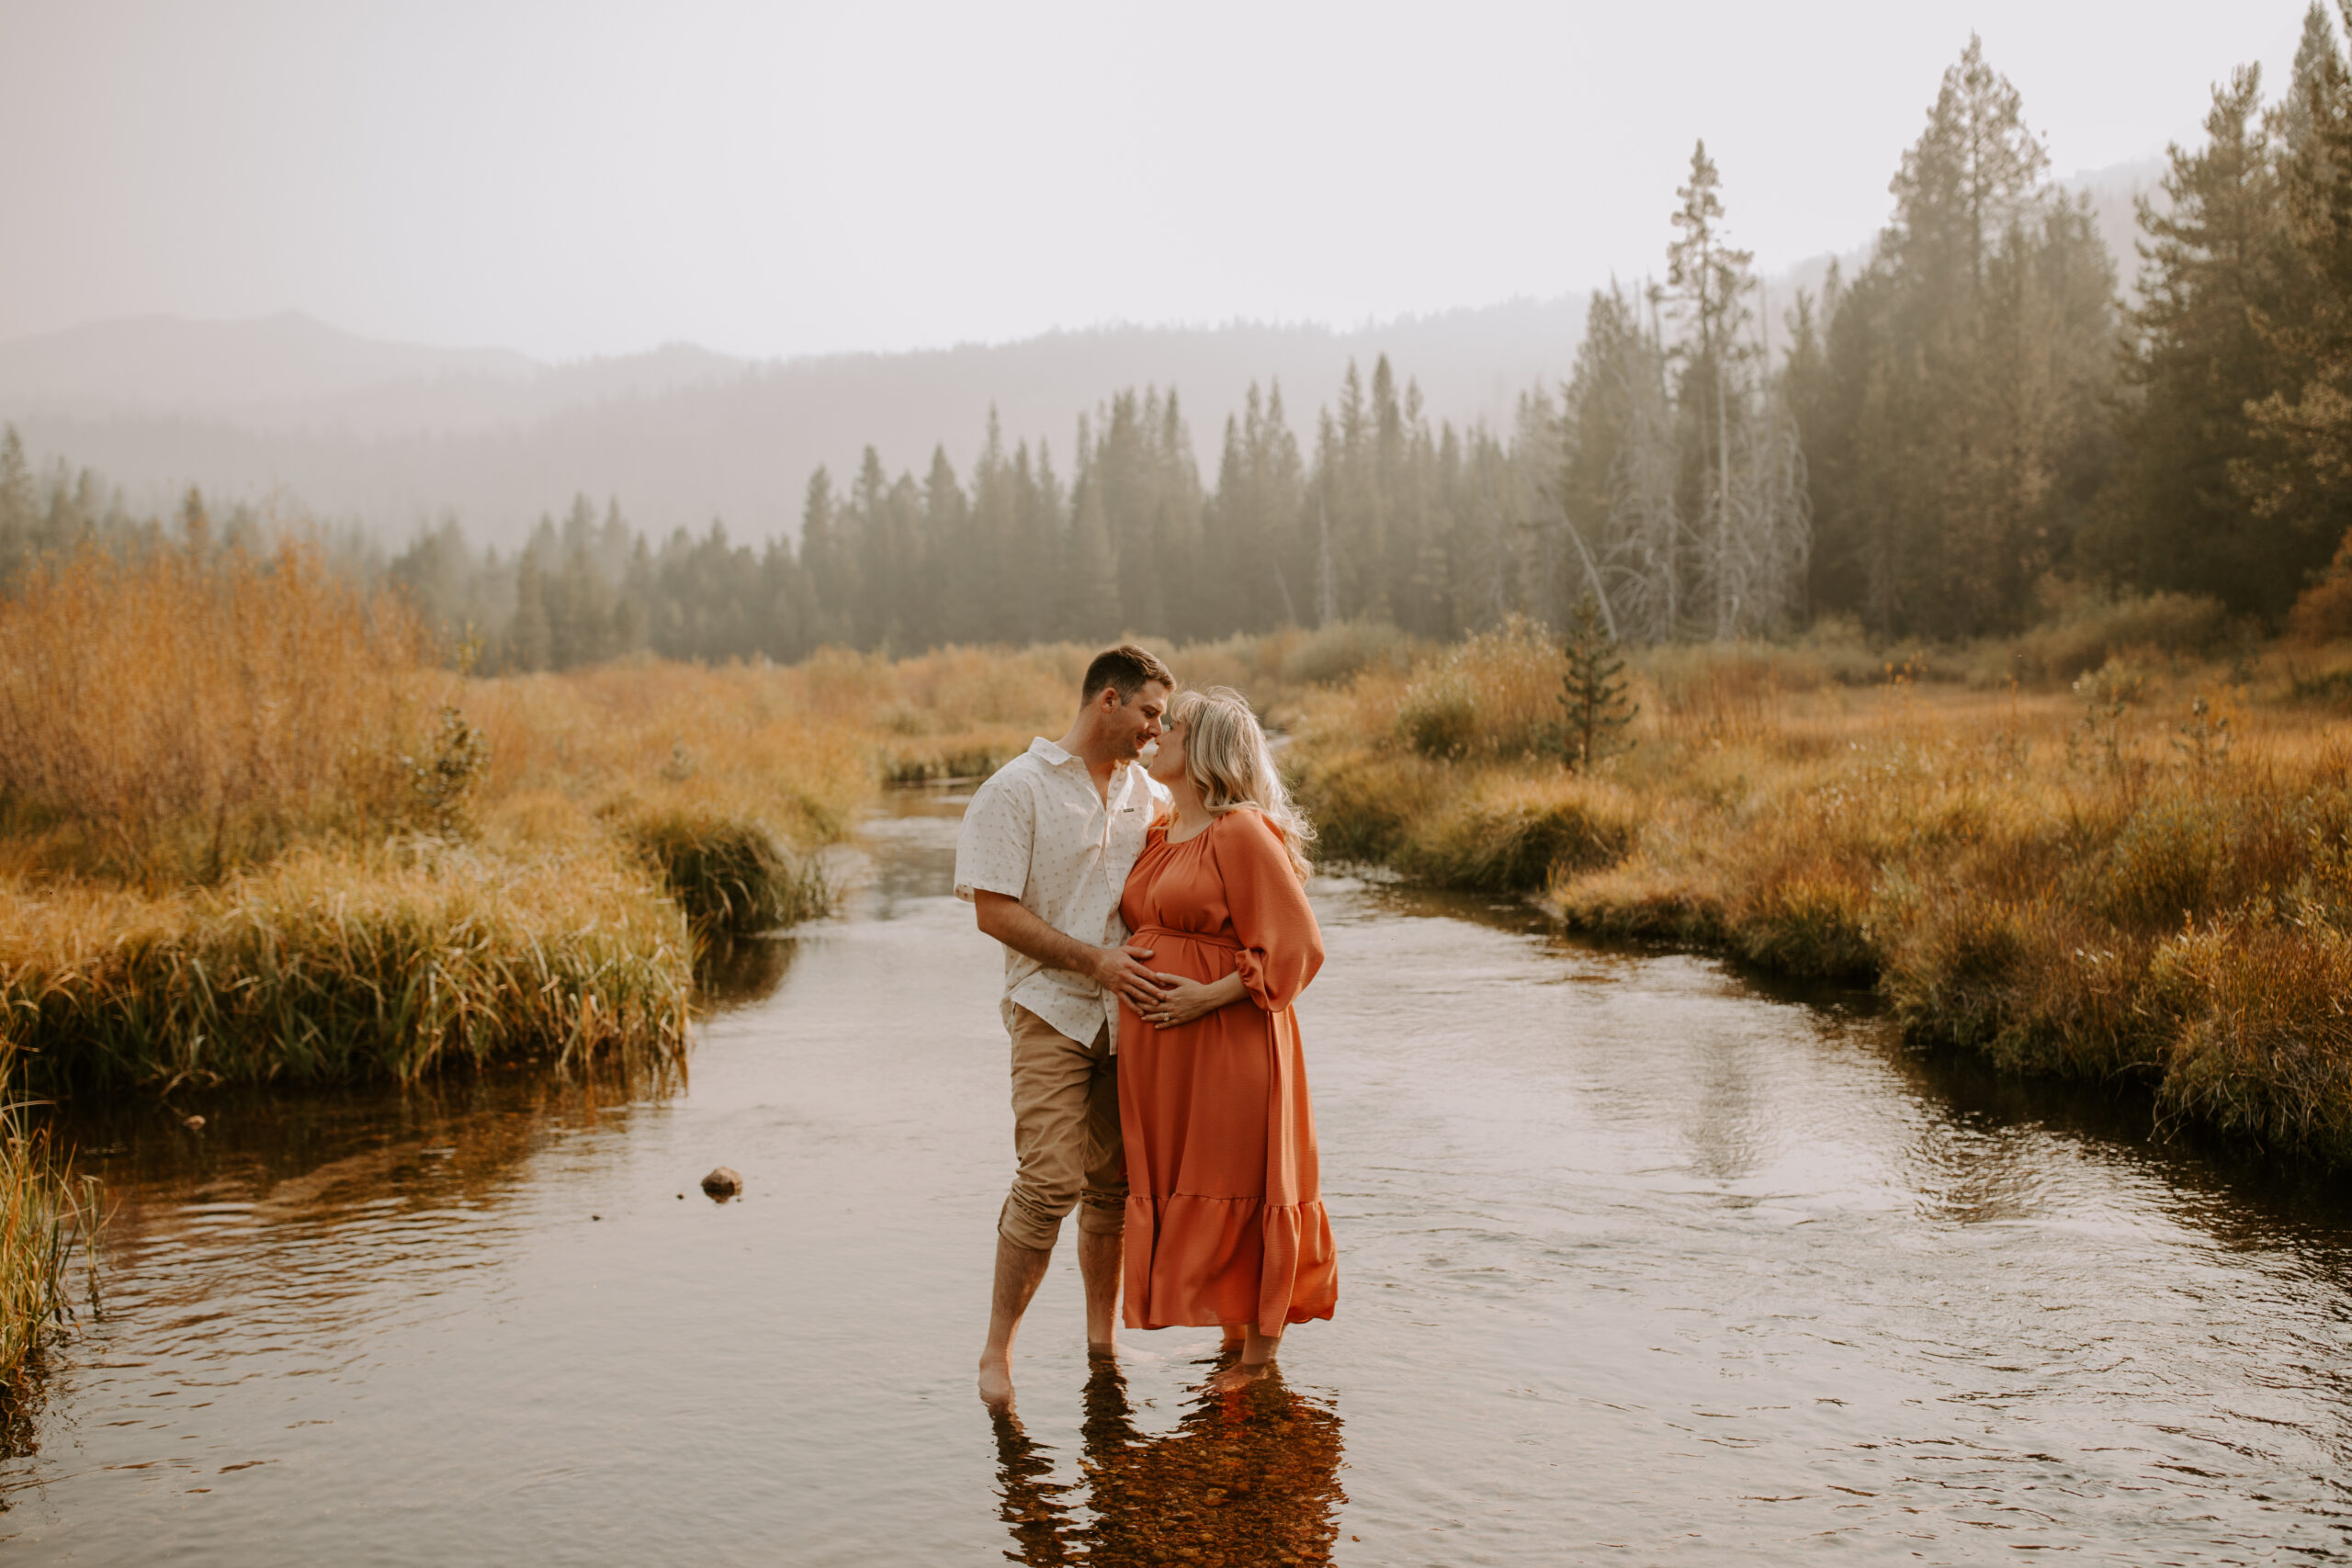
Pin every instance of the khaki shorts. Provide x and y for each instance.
(1065, 1134)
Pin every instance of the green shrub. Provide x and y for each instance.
(2088, 635)
(1512, 839)
(1814, 928)
(2262, 1047)
(730, 875)
(1329, 655)
(1440, 718)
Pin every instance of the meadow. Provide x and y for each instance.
(254, 828)
(2116, 849)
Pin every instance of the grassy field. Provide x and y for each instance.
(2137, 864)
(254, 829)
(250, 830)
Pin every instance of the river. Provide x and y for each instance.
(1641, 1262)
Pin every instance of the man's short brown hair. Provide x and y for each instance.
(1127, 670)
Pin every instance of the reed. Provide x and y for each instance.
(2139, 876)
(45, 1218)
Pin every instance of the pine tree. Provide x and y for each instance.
(19, 507)
(828, 617)
(1091, 600)
(2298, 474)
(530, 642)
(2173, 519)
(1965, 373)
(1592, 691)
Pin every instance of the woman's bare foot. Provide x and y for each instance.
(996, 1382)
(1237, 1376)
(1256, 1357)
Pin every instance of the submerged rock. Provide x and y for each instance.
(722, 1183)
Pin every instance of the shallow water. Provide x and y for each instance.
(1640, 1262)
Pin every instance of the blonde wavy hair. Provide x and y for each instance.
(1227, 758)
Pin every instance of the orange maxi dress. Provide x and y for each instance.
(1224, 1207)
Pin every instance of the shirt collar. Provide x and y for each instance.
(1122, 777)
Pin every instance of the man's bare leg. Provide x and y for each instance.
(1101, 1261)
(1019, 1272)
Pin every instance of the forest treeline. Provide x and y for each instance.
(1925, 449)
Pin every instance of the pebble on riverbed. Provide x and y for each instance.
(723, 1184)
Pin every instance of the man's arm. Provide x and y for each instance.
(1118, 970)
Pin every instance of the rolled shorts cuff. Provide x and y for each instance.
(1023, 1224)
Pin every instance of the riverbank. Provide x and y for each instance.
(2146, 873)
(254, 829)
(250, 830)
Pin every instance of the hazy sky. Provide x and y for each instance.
(570, 178)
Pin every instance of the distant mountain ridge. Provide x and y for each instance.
(395, 436)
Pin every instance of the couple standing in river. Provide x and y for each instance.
(1157, 932)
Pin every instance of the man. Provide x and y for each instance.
(1043, 856)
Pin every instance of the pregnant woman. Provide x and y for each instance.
(1225, 1211)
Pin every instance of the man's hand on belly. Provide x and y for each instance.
(1122, 973)
(1118, 970)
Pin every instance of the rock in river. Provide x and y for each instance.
(722, 1183)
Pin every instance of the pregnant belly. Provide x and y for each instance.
(1193, 955)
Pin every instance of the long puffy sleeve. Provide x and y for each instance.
(1282, 947)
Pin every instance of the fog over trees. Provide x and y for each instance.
(1967, 415)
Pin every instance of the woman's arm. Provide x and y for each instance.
(1282, 947)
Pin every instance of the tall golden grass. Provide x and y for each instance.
(251, 829)
(171, 715)
(2145, 875)
(248, 832)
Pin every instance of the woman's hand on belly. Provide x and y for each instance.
(1182, 1000)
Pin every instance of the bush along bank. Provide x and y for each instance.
(2138, 878)
(320, 969)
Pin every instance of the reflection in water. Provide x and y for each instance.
(738, 971)
(1250, 1477)
(1722, 1120)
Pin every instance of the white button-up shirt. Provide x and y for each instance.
(1038, 831)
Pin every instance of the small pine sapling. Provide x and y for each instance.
(1593, 690)
(442, 781)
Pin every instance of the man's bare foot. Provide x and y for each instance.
(1102, 1350)
(996, 1382)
